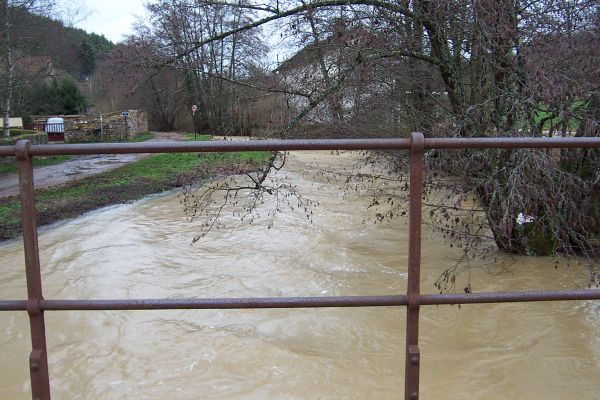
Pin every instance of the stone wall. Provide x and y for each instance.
(86, 128)
(34, 138)
(113, 128)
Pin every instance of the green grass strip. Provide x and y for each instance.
(130, 182)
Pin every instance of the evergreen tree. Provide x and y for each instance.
(87, 58)
(58, 97)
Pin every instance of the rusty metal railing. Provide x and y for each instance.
(36, 305)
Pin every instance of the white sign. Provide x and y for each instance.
(125, 114)
(194, 109)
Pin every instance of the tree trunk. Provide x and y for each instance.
(448, 67)
(8, 64)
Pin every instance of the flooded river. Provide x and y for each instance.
(142, 250)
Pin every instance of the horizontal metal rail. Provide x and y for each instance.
(305, 302)
(303, 144)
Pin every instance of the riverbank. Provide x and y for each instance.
(131, 182)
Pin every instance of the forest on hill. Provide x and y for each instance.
(46, 65)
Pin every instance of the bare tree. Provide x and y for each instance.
(13, 38)
(209, 70)
(122, 83)
(451, 68)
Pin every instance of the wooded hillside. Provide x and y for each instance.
(40, 53)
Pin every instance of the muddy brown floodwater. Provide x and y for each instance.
(142, 250)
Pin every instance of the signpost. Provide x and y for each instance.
(125, 114)
(101, 129)
(194, 109)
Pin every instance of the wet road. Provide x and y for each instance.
(78, 168)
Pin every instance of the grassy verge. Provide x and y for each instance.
(150, 175)
(142, 137)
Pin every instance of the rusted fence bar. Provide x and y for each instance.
(512, 143)
(510, 297)
(38, 360)
(227, 145)
(13, 305)
(304, 144)
(229, 303)
(304, 302)
(413, 291)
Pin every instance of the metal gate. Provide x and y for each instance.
(36, 305)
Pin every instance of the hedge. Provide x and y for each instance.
(34, 137)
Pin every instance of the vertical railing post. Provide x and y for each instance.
(38, 360)
(411, 382)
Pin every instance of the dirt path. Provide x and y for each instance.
(80, 167)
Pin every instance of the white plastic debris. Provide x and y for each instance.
(524, 219)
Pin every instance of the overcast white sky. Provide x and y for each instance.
(115, 18)
(112, 18)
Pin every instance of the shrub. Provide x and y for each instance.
(21, 132)
(33, 136)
